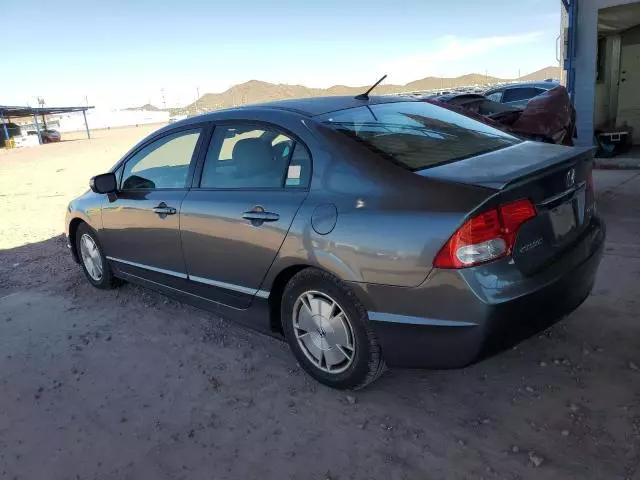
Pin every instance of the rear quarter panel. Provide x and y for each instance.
(390, 222)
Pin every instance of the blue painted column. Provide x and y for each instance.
(4, 126)
(35, 118)
(571, 6)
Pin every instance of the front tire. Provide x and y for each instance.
(327, 329)
(92, 258)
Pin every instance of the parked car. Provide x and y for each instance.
(520, 93)
(47, 135)
(549, 117)
(365, 231)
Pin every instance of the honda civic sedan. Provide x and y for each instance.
(366, 231)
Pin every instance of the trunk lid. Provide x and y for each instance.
(556, 179)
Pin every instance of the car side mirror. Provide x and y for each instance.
(104, 183)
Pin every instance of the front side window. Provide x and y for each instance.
(417, 135)
(248, 157)
(161, 164)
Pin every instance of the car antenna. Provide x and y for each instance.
(365, 95)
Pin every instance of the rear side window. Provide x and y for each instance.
(417, 135)
(523, 93)
(495, 96)
(247, 157)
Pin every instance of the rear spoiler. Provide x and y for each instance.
(506, 166)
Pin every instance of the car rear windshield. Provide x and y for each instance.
(417, 135)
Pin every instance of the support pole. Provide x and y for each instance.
(35, 118)
(4, 126)
(571, 6)
(86, 125)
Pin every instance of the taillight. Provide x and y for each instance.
(485, 237)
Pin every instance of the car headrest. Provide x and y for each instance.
(252, 156)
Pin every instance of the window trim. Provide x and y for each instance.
(203, 127)
(258, 124)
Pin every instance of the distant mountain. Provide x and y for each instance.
(147, 107)
(256, 91)
(543, 74)
(444, 83)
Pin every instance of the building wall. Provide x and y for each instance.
(585, 64)
(601, 109)
(631, 36)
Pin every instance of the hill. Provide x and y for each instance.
(543, 74)
(147, 107)
(256, 91)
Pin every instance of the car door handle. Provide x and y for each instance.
(260, 216)
(163, 209)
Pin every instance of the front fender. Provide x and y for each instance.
(87, 209)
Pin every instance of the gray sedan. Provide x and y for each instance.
(518, 94)
(366, 231)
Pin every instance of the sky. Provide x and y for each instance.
(121, 53)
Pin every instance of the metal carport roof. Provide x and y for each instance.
(7, 111)
(16, 111)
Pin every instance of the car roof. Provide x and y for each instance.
(546, 84)
(451, 96)
(311, 107)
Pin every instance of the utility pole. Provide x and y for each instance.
(164, 101)
(518, 74)
(41, 104)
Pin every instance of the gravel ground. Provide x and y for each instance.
(128, 384)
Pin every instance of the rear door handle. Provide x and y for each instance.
(261, 216)
(163, 209)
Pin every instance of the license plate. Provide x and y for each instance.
(563, 219)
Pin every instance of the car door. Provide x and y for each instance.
(141, 233)
(233, 222)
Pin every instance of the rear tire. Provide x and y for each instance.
(327, 329)
(92, 258)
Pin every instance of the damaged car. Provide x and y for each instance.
(549, 117)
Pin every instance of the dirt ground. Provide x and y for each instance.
(128, 384)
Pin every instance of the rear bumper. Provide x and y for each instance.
(460, 316)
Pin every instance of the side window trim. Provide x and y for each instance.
(199, 168)
(203, 127)
(286, 172)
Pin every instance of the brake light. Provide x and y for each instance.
(485, 237)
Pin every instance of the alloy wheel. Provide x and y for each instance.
(91, 257)
(324, 332)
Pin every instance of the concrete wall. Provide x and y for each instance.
(631, 36)
(105, 119)
(585, 64)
